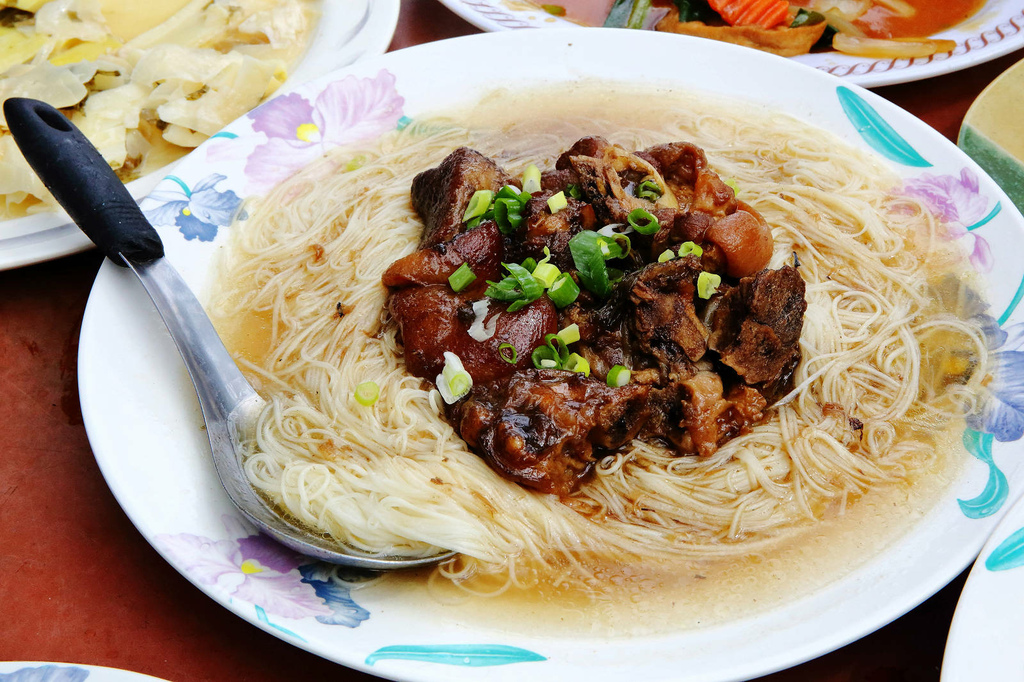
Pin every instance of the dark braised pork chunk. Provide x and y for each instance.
(540, 427)
(674, 333)
(756, 327)
(440, 195)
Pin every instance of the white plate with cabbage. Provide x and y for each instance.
(146, 86)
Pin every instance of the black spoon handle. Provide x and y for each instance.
(82, 182)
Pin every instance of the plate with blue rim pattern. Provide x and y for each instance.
(145, 427)
(34, 671)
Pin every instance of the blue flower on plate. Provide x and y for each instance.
(1002, 406)
(198, 212)
(46, 673)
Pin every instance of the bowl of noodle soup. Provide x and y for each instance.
(869, 487)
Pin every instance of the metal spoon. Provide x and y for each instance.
(87, 188)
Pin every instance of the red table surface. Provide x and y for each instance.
(79, 584)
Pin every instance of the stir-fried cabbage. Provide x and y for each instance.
(171, 86)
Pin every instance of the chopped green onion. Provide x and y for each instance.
(557, 202)
(570, 334)
(519, 288)
(618, 376)
(474, 222)
(530, 264)
(531, 178)
(577, 363)
(544, 358)
(461, 278)
(478, 204)
(643, 221)
(558, 347)
(731, 182)
(546, 274)
(508, 214)
(707, 284)
(806, 17)
(574, 191)
(454, 381)
(508, 353)
(666, 255)
(618, 247)
(689, 248)
(590, 262)
(649, 190)
(564, 291)
(367, 393)
(507, 192)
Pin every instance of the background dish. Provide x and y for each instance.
(987, 635)
(25, 671)
(347, 31)
(136, 398)
(997, 29)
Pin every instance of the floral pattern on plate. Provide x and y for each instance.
(46, 673)
(277, 581)
(197, 211)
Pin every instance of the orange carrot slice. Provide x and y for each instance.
(763, 13)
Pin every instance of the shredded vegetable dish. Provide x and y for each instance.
(864, 28)
(145, 84)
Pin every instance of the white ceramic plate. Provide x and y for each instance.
(986, 640)
(26, 671)
(146, 430)
(997, 29)
(348, 30)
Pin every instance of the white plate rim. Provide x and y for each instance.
(47, 236)
(103, 673)
(116, 283)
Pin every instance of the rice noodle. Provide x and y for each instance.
(396, 478)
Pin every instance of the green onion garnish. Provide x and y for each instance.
(643, 221)
(590, 262)
(461, 278)
(649, 190)
(367, 393)
(478, 204)
(507, 192)
(690, 249)
(544, 358)
(666, 255)
(618, 376)
(577, 363)
(519, 288)
(546, 274)
(530, 264)
(531, 179)
(508, 353)
(508, 214)
(732, 183)
(707, 284)
(564, 291)
(570, 334)
(454, 381)
(557, 202)
(574, 191)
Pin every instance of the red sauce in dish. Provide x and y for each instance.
(933, 16)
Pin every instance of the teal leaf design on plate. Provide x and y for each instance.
(996, 490)
(261, 614)
(1009, 554)
(876, 131)
(471, 655)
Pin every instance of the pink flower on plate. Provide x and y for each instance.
(251, 567)
(961, 206)
(299, 131)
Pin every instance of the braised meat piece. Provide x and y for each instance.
(481, 248)
(542, 228)
(739, 244)
(664, 322)
(711, 418)
(601, 331)
(540, 427)
(756, 327)
(434, 319)
(440, 195)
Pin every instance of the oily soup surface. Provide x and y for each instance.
(655, 542)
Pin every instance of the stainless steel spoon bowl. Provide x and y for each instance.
(87, 188)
